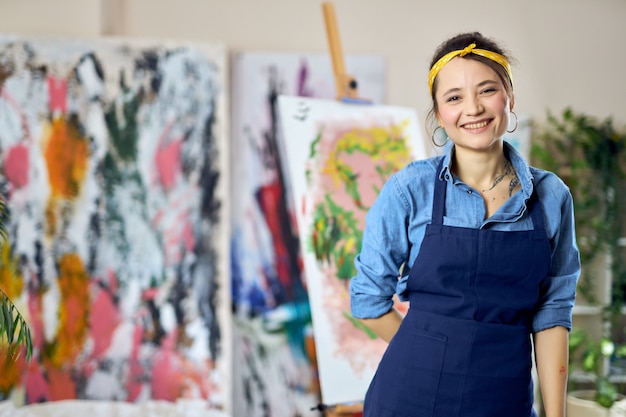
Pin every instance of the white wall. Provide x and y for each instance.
(568, 52)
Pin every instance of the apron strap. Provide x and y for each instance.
(439, 197)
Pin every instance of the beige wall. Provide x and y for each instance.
(568, 52)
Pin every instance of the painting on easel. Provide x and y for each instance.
(339, 156)
(274, 371)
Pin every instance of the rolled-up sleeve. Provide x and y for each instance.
(558, 291)
(385, 247)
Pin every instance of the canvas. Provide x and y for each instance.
(114, 172)
(338, 157)
(274, 361)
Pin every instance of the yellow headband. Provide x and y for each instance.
(494, 56)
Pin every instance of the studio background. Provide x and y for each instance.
(568, 52)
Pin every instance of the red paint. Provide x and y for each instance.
(269, 197)
(57, 93)
(16, 165)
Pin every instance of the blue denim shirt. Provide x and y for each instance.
(396, 223)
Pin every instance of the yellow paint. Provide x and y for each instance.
(11, 371)
(376, 142)
(11, 281)
(12, 284)
(66, 154)
(74, 309)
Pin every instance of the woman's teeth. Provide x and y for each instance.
(476, 125)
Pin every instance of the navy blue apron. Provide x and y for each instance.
(464, 347)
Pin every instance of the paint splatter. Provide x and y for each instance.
(112, 171)
(66, 155)
(16, 165)
(74, 309)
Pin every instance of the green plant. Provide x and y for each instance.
(590, 156)
(13, 328)
(593, 355)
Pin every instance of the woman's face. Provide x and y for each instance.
(473, 104)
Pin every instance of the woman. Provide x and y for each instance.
(490, 253)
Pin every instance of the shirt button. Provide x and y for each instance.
(447, 176)
(469, 191)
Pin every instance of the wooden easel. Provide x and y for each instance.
(344, 410)
(347, 91)
(345, 84)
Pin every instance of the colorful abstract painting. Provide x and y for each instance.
(112, 166)
(338, 157)
(274, 368)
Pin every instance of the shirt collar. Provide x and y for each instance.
(519, 163)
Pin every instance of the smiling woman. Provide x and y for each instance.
(490, 246)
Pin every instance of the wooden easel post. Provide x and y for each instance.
(345, 84)
(353, 410)
(347, 90)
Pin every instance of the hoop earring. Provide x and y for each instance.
(515, 128)
(432, 137)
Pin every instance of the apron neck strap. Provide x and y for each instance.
(439, 198)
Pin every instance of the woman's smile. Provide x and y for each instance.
(476, 125)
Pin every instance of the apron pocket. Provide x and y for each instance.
(408, 375)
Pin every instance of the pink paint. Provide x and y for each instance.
(89, 369)
(112, 281)
(188, 236)
(103, 321)
(165, 380)
(156, 219)
(35, 320)
(36, 386)
(135, 370)
(16, 165)
(167, 162)
(57, 93)
(149, 294)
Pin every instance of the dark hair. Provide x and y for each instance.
(460, 42)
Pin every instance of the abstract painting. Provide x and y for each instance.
(274, 360)
(338, 157)
(113, 167)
